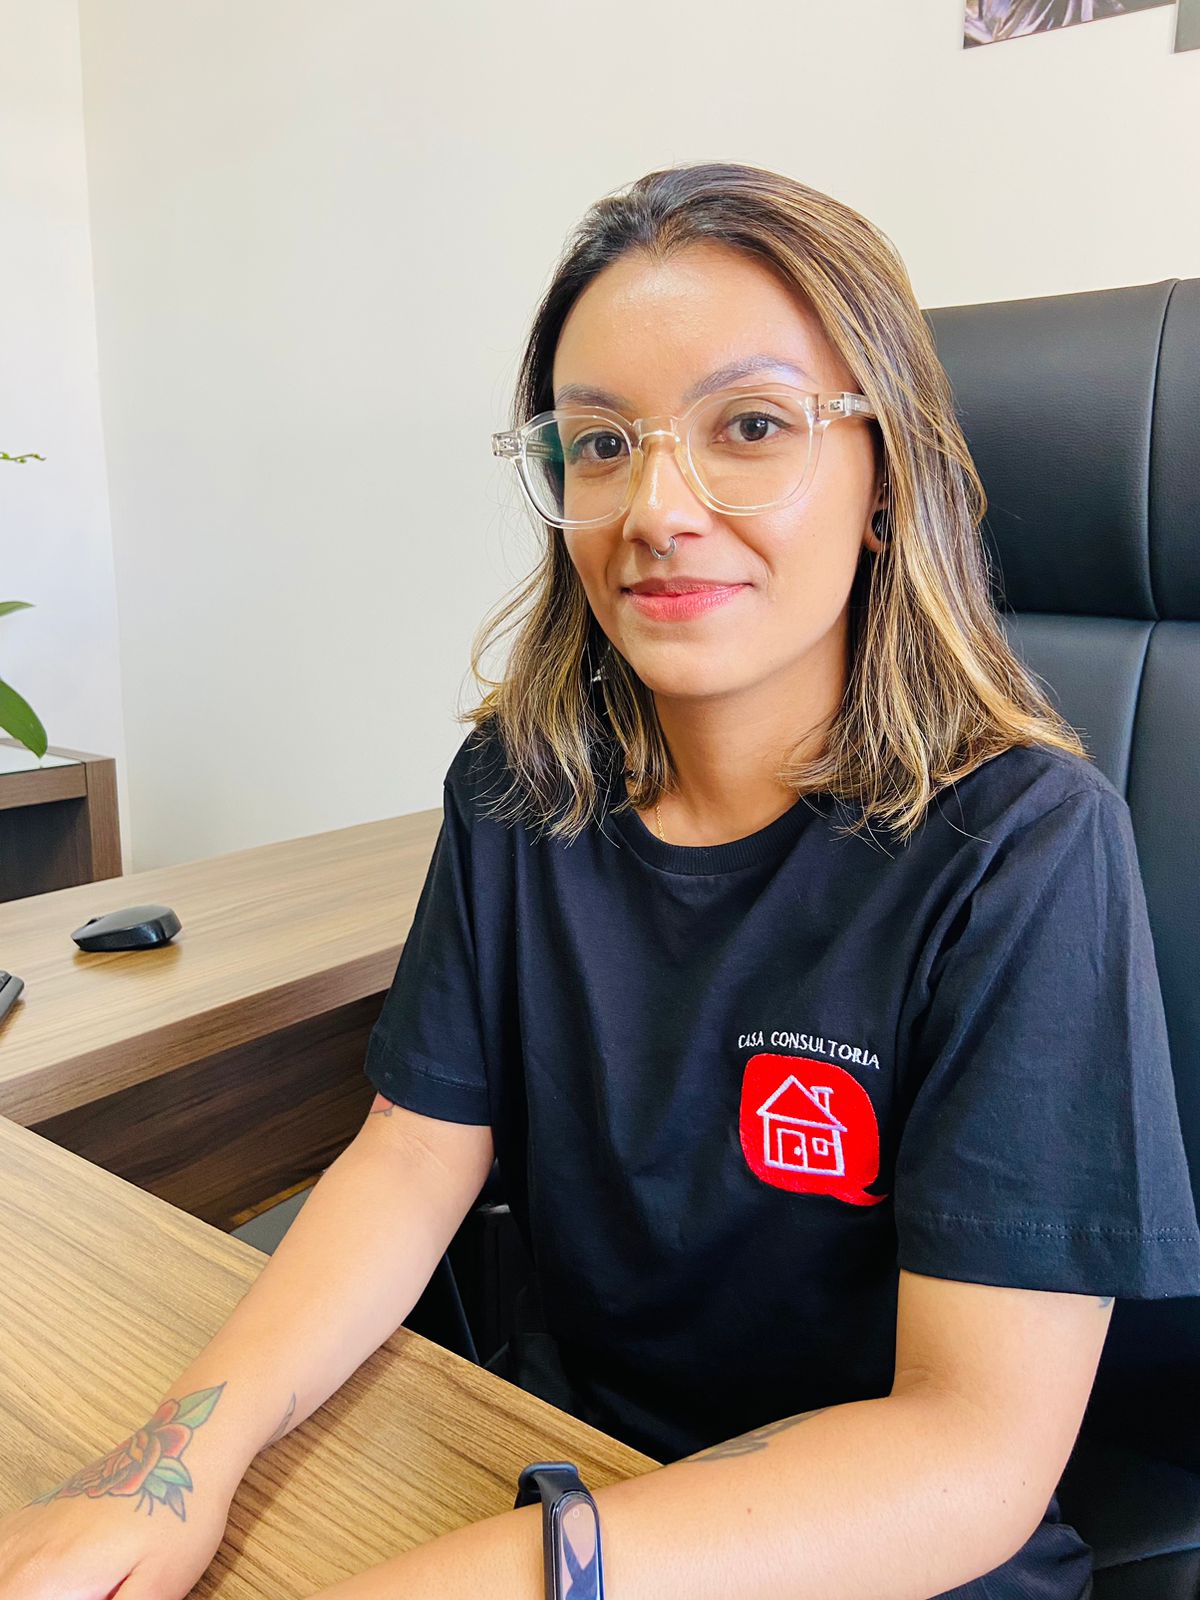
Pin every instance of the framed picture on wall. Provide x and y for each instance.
(993, 21)
(1187, 29)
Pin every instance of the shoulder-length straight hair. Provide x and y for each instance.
(933, 688)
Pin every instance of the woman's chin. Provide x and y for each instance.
(679, 681)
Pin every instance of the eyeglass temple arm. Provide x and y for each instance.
(845, 405)
(509, 444)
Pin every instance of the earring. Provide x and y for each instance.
(880, 519)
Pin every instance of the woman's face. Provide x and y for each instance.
(646, 332)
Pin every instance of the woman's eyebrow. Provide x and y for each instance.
(585, 394)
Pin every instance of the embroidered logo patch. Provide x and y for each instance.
(808, 1126)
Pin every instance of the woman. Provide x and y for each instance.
(787, 949)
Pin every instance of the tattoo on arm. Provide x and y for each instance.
(147, 1464)
(283, 1426)
(745, 1444)
(1105, 1300)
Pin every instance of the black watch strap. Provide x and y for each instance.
(545, 1481)
(570, 1529)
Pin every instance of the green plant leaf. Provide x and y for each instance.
(14, 605)
(18, 718)
(197, 1408)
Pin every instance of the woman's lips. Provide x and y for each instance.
(678, 607)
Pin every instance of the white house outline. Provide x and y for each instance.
(827, 1142)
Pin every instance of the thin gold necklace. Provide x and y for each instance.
(658, 821)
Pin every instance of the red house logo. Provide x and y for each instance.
(810, 1127)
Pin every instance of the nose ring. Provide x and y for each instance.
(663, 554)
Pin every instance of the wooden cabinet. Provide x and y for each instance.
(58, 820)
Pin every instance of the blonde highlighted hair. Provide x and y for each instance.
(933, 687)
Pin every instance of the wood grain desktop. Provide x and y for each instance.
(224, 1069)
(108, 1294)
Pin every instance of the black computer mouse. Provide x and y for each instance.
(134, 928)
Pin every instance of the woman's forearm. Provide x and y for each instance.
(898, 1498)
(345, 1275)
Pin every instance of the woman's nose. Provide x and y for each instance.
(663, 502)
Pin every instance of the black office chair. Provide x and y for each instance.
(1082, 412)
(468, 1304)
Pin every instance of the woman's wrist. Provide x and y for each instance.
(200, 1440)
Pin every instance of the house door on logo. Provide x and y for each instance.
(791, 1147)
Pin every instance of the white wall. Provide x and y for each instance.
(318, 228)
(55, 540)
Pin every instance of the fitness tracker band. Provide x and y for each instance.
(570, 1529)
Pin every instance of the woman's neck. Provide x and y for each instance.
(726, 787)
(727, 749)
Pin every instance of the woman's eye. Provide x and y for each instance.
(751, 427)
(596, 447)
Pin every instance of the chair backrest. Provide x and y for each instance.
(1082, 413)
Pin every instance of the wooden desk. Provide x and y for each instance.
(225, 1069)
(438, 1440)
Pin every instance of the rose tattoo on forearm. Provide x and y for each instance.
(147, 1464)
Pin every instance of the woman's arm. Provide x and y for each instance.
(900, 1497)
(345, 1275)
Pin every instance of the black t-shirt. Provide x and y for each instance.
(735, 1088)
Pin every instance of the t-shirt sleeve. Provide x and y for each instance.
(426, 1050)
(1042, 1148)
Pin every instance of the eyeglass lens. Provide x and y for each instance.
(747, 450)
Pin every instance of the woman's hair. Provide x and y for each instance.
(933, 689)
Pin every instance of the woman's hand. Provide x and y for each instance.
(133, 1524)
(94, 1550)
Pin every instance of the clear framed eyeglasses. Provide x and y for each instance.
(742, 450)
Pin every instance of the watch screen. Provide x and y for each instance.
(579, 1560)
